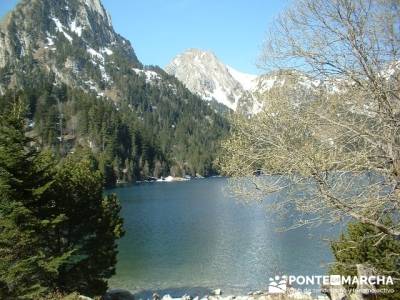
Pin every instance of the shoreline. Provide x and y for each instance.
(166, 180)
(289, 294)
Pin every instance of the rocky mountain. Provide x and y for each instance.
(85, 87)
(204, 74)
(73, 39)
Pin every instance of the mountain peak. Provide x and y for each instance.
(74, 39)
(204, 74)
(96, 6)
(194, 55)
(199, 52)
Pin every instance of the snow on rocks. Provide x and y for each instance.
(106, 51)
(248, 81)
(171, 179)
(50, 41)
(151, 76)
(95, 54)
(104, 74)
(75, 28)
(91, 85)
(60, 28)
(98, 59)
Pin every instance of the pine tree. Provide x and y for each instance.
(57, 231)
(25, 176)
(89, 230)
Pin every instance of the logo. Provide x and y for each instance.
(280, 284)
(277, 284)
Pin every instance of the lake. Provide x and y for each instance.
(192, 237)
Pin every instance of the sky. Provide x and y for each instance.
(160, 29)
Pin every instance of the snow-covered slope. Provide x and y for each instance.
(248, 81)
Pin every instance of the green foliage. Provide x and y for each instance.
(25, 177)
(364, 244)
(136, 128)
(88, 229)
(57, 232)
(154, 132)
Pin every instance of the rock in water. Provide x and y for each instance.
(156, 296)
(217, 292)
(118, 294)
(186, 297)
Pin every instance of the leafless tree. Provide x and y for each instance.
(336, 153)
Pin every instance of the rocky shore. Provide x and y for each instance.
(290, 294)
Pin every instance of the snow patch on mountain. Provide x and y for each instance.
(248, 81)
(95, 54)
(50, 41)
(60, 28)
(151, 76)
(222, 96)
(107, 51)
(75, 28)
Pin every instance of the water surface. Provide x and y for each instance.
(193, 237)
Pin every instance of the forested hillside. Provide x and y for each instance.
(85, 87)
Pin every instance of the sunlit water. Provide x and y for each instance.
(191, 237)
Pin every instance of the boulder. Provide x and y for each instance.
(118, 294)
(168, 297)
(186, 297)
(258, 293)
(217, 292)
(156, 296)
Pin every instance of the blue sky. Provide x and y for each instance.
(160, 29)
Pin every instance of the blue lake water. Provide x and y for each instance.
(191, 237)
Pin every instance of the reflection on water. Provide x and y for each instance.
(184, 235)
